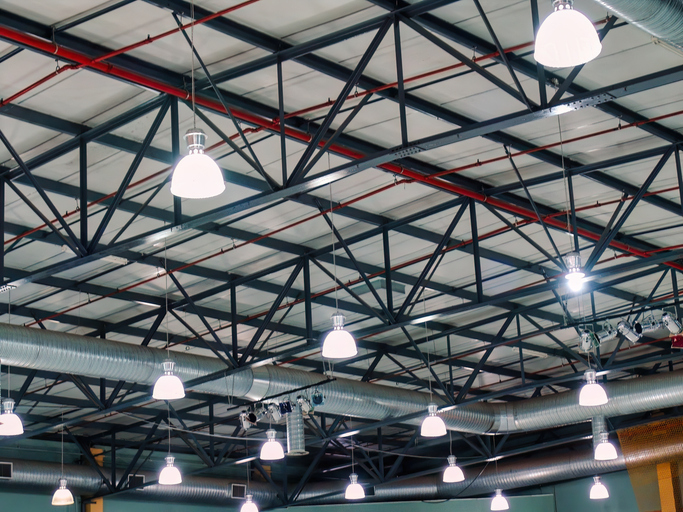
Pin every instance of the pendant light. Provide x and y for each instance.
(604, 449)
(272, 448)
(499, 502)
(338, 343)
(566, 38)
(10, 423)
(453, 474)
(196, 176)
(433, 425)
(62, 495)
(598, 490)
(170, 474)
(354, 491)
(575, 275)
(592, 394)
(168, 386)
(249, 505)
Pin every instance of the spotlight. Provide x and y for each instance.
(608, 333)
(274, 410)
(248, 420)
(633, 334)
(588, 341)
(317, 398)
(672, 323)
(304, 403)
(285, 407)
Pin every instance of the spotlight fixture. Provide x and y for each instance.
(566, 38)
(632, 334)
(272, 449)
(285, 407)
(10, 423)
(672, 323)
(499, 502)
(592, 394)
(62, 495)
(575, 274)
(247, 419)
(598, 491)
(433, 425)
(249, 505)
(168, 386)
(197, 175)
(274, 410)
(304, 403)
(354, 491)
(339, 344)
(605, 450)
(170, 475)
(588, 341)
(452, 473)
(317, 399)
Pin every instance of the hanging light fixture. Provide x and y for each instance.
(272, 448)
(598, 490)
(354, 491)
(249, 505)
(196, 176)
(10, 423)
(433, 425)
(566, 38)
(339, 343)
(168, 386)
(605, 450)
(575, 274)
(453, 473)
(62, 495)
(499, 502)
(592, 394)
(170, 475)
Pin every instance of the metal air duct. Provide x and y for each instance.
(296, 443)
(662, 19)
(94, 357)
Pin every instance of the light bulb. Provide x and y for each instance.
(354, 491)
(197, 176)
(168, 386)
(339, 344)
(170, 475)
(433, 425)
(272, 449)
(62, 496)
(10, 423)
(249, 505)
(452, 473)
(566, 38)
(599, 491)
(499, 502)
(592, 394)
(605, 450)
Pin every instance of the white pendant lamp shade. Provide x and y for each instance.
(168, 386)
(62, 496)
(249, 505)
(605, 450)
(354, 491)
(272, 449)
(566, 38)
(339, 344)
(599, 491)
(433, 425)
(197, 176)
(453, 473)
(592, 394)
(575, 275)
(499, 502)
(10, 423)
(170, 475)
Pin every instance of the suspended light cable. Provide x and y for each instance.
(168, 386)
(338, 343)
(354, 491)
(196, 176)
